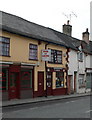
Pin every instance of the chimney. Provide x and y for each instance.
(67, 29)
(85, 36)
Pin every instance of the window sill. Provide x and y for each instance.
(5, 56)
(55, 63)
(33, 59)
(80, 60)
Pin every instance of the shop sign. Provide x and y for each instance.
(46, 55)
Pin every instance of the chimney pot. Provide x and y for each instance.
(85, 36)
(67, 28)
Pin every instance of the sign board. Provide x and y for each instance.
(46, 55)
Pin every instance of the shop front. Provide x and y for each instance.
(17, 82)
(56, 81)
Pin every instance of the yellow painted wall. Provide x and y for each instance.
(19, 52)
(64, 50)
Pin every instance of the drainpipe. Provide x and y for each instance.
(46, 71)
(77, 82)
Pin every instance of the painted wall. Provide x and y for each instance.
(73, 63)
(19, 53)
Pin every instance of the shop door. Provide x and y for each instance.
(40, 83)
(13, 90)
(49, 83)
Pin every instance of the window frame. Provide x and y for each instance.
(3, 44)
(36, 49)
(80, 56)
(4, 79)
(30, 86)
(57, 53)
(60, 79)
(81, 81)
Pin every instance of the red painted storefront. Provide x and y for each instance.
(18, 82)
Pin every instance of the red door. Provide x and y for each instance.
(49, 83)
(40, 83)
(13, 87)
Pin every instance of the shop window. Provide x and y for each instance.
(59, 79)
(4, 80)
(26, 79)
(33, 52)
(4, 46)
(56, 57)
(81, 81)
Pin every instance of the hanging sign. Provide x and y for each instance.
(46, 55)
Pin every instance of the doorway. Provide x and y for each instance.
(40, 83)
(13, 87)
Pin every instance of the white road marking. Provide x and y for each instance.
(70, 102)
(67, 102)
(33, 108)
(88, 111)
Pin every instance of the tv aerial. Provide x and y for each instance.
(69, 16)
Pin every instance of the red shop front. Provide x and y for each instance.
(17, 82)
(59, 81)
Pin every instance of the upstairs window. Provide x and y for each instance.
(80, 56)
(56, 57)
(33, 52)
(4, 46)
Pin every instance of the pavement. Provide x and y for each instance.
(15, 102)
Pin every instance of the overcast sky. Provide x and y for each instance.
(52, 13)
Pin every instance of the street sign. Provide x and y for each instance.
(46, 55)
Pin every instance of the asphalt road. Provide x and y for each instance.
(67, 108)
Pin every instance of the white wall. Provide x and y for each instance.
(73, 64)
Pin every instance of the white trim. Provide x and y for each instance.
(28, 64)
(1, 62)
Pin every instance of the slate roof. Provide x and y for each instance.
(23, 27)
(18, 25)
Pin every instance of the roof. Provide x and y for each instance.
(23, 27)
(18, 25)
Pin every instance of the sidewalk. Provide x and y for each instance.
(40, 99)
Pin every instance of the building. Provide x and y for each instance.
(24, 74)
(79, 62)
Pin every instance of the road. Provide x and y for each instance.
(67, 108)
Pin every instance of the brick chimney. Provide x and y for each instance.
(67, 29)
(85, 36)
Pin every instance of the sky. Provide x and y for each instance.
(52, 13)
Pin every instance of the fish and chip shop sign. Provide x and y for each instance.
(46, 55)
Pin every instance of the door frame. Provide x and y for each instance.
(49, 89)
(41, 92)
(14, 69)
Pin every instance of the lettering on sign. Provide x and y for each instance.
(46, 55)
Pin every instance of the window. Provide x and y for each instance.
(81, 81)
(56, 56)
(88, 80)
(59, 79)
(33, 52)
(26, 79)
(80, 56)
(4, 80)
(4, 46)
